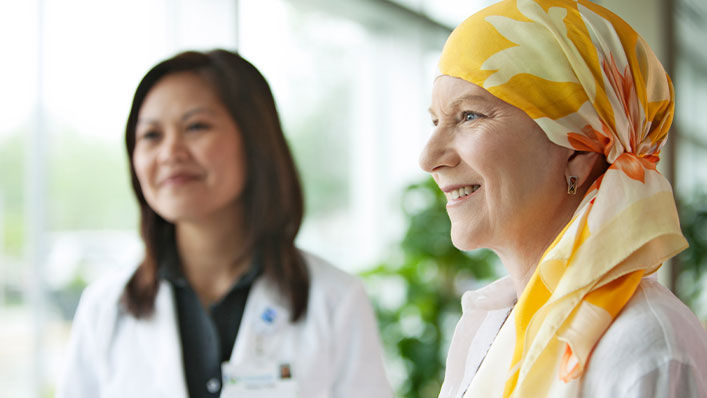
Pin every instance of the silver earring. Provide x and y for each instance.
(572, 185)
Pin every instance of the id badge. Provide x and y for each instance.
(265, 380)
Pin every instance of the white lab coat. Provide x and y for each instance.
(334, 351)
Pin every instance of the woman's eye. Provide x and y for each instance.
(435, 122)
(150, 135)
(197, 126)
(469, 116)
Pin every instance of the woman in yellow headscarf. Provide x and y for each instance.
(549, 119)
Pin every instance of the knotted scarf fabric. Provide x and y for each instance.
(592, 84)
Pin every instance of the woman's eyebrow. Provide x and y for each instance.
(194, 111)
(143, 120)
(467, 98)
(457, 102)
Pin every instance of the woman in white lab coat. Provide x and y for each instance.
(223, 303)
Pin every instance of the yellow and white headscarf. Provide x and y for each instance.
(592, 84)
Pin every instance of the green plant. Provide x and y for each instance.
(416, 292)
(692, 262)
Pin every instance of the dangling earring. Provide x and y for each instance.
(572, 185)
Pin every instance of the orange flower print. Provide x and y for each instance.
(623, 86)
(569, 366)
(592, 140)
(638, 156)
(635, 166)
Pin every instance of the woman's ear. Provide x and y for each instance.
(585, 167)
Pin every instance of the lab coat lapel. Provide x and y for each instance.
(160, 342)
(266, 319)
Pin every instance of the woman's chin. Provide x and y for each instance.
(465, 242)
(177, 215)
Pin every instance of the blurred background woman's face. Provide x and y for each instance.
(502, 176)
(188, 154)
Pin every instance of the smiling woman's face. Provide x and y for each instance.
(503, 178)
(188, 153)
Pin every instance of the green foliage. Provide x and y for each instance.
(693, 261)
(417, 291)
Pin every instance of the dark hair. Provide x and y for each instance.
(272, 197)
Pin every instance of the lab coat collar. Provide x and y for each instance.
(265, 319)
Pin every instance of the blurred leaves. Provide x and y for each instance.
(417, 290)
(693, 261)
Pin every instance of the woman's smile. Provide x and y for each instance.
(179, 179)
(456, 195)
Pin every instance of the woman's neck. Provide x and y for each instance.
(520, 266)
(520, 256)
(212, 253)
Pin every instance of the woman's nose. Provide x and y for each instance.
(437, 153)
(174, 148)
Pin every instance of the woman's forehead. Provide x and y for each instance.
(449, 92)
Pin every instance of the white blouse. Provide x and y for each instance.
(656, 347)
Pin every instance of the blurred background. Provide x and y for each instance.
(352, 80)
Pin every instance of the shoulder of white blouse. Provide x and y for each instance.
(494, 296)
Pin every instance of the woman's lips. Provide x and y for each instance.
(179, 179)
(459, 194)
